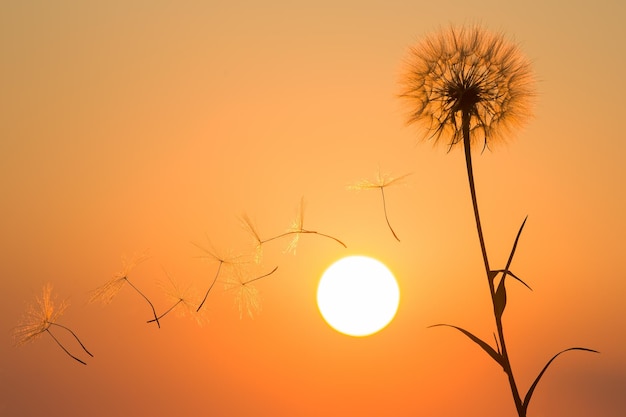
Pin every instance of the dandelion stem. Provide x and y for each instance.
(146, 298)
(470, 176)
(63, 347)
(506, 364)
(211, 286)
(73, 334)
(382, 192)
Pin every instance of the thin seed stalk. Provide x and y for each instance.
(219, 267)
(63, 347)
(73, 334)
(148, 300)
(506, 364)
(303, 231)
(166, 311)
(260, 277)
(382, 192)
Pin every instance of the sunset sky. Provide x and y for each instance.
(128, 126)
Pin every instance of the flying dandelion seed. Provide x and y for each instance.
(247, 297)
(184, 300)
(295, 230)
(381, 182)
(212, 256)
(111, 288)
(39, 317)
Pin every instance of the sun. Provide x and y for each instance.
(358, 296)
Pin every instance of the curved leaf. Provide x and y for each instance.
(507, 272)
(529, 394)
(515, 244)
(499, 301)
(486, 347)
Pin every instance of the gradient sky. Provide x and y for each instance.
(128, 125)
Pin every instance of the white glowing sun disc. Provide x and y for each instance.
(358, 296)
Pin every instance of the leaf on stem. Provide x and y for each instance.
(506, 271)
(499, 300)
(484, 345)
(531, 390)
(511, 274)
(500, 295)
(519, 233)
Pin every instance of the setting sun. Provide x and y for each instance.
(358, 296)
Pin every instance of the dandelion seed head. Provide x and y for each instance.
(471, 71)
(38, 317)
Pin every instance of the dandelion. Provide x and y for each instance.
(295, 230)
(468, 84)
(184, 300)
(212, 256)
(381, 182)
(38, 319)
(464, 83)
(246, 294)
(111, 288)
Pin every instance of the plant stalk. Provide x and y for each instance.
(506, 364)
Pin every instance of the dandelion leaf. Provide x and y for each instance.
(484, 345)
(531, 390)
(500, 297)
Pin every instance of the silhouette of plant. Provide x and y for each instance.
(246, 294)
(184, 300)
(39, 317)
(381, 182)
(109, 289)
(467, 85)
(295, 230)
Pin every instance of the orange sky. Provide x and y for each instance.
(134, 125)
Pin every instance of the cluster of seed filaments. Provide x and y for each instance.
(469, 72)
